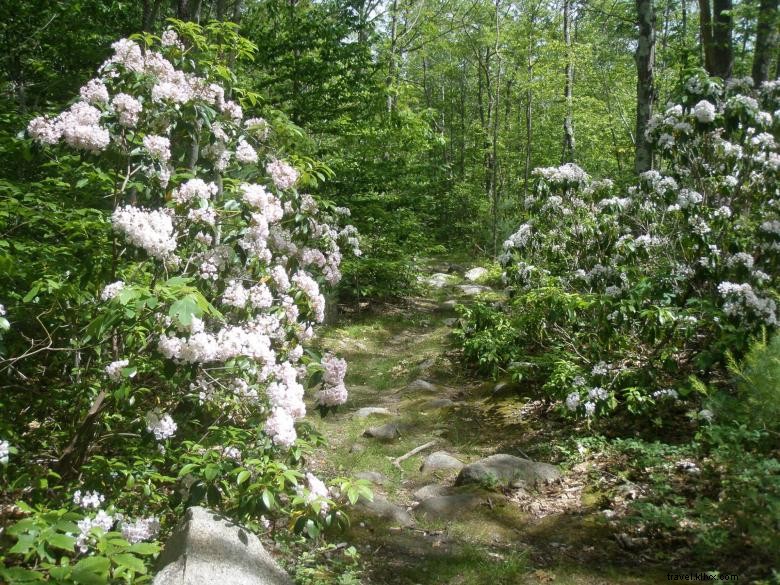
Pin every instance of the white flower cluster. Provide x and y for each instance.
(742, 296)
(161, 425)
(101, 520)
(88, 499)
(150, 230)
(282, 174)
(5, 450)
(704, 112)
(111, 290)
(566, 174)
(334, 392)
(141, 529)
(114, 369)
(79, 126)
(317, 492)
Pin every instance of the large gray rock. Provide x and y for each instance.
(438, 280)
(508, 470)
(386, 432)
(476, 273)
(381, 509)
(440, 461)
(367, 411)
(447, 507)
(209, 549)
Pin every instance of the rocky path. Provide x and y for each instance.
(470, 483)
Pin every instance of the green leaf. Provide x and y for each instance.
(92, 571)
(32, 294)
(23, 545)
(243, 476)
(131, 562)
(62, 541)
(211, 472)
(144, 548)
(185, 309)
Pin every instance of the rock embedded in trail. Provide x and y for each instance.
(473, 289)
(208, 548)
(451, 322)
(387, 432)
(372, 476)
(449, 305)
(357, 448)
(448, 507)
(420, 385)
(440, 461)
(380, 508)
(432, 490)
(475, 273)
(437, 403)
(508, 471)
(367, 411)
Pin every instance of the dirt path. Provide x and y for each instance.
(402, 359)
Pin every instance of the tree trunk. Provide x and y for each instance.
(391, 65)
(568, 127)
(716, 24)
(723, 47)
(766, 41)
(645, 90)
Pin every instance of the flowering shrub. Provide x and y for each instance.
(219, 267)
(619, 297)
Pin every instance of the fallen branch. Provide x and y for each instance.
(415, 451)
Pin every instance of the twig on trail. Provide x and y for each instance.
(415, 451)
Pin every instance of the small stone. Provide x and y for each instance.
(440, 461)
(422, 386)
(437, 403)
(367, 411)
(475, 274)
(451, 322)
(430, 491)
(386, 432)
(380, 508)
(372, 476)
(508, 471)
(448, 507)
(473, 289)
(357, 448)
(449, 305)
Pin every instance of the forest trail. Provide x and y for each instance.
(403, 362)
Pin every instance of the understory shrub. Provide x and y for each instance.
(638, 291)
(173, 370)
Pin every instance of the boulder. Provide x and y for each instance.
(440, 461)
(475, 274)
(209, 549)
(448, 507)
(438, 280)
(388, 432)
(367, 411)
(430, 491)
(380, 508)
(508, 471)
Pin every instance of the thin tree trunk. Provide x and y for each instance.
(645, 90)
(568, 127)
(391, 65)
(705, 28)
(494, 187)
(766, 41)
